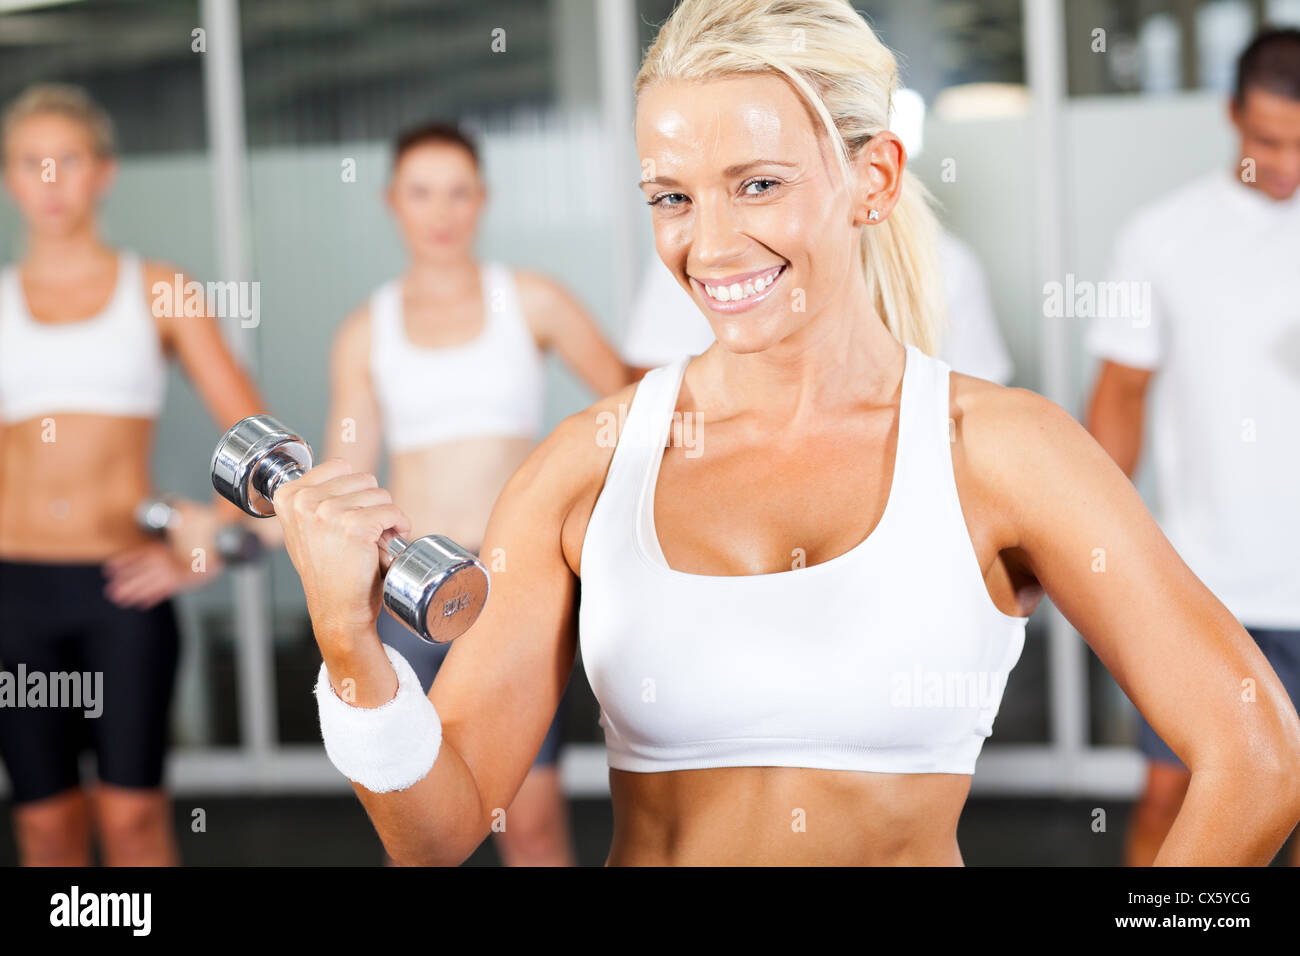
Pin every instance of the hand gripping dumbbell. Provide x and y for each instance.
(432, 585)
(235, 545)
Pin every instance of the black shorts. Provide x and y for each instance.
(114, 669)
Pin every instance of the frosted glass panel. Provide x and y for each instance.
(979, 172)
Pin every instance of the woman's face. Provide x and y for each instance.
(436, 196)
(746, 194)
(54, 175)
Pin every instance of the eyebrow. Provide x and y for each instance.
(731, 171)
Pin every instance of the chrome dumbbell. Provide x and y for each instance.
(235, 545)
(432, 585)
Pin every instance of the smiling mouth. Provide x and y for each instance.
(752, 286)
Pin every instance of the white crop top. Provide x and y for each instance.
(491, 385)
(109, 364)
(891, 657)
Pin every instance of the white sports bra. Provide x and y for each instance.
(891, 657)
(109, 364)
(491, 385)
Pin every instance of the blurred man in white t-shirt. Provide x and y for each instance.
(666, 324)
(1217, 342)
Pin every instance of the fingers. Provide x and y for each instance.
(143, 581)
(383, 517)
(364, 515)
(129, 561)
(354, 498)
(324, 471)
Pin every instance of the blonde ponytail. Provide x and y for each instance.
(900, 258)
(845, 74)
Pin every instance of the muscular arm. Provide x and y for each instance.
(502, 680)
(1176, 651)
(1117, 412)
(564, 325)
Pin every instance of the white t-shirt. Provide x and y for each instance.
(666, 323)
(1223, 328)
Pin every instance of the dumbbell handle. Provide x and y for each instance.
(276, 468)
(432, 585)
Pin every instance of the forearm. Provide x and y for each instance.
(1236, 817)
(438, 820)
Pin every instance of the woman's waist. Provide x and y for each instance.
(85, 543)
(786, 815)
(71, 493)
(456, 481)
(66, 483)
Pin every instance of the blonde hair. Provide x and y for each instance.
(847, 77)
(63, 100)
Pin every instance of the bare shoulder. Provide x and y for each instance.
(162, 282)
(535, 288)
(541, 299)
(354, 331)
(1003, 418)
(565, 473)
(165, 292)
(543, 295)
(1020, 450)
(157, 270)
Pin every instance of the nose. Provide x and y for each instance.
(715, 236)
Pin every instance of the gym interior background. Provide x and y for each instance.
(233, 166)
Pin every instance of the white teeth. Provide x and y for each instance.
(735, 291)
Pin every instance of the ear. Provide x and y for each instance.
(1234, 112)
(878, 177)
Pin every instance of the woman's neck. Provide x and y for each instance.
(66, 255)
(841, 357)
(450, 278)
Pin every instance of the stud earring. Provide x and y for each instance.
(873, 215)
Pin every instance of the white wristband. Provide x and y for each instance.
(383, 748)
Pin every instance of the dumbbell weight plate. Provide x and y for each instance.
(258, 440)
(436, 588)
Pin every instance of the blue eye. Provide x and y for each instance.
(755, 182)
(660, 198)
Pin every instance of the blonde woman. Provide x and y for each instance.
(799, 616)
(442, 367)
(84, 346)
